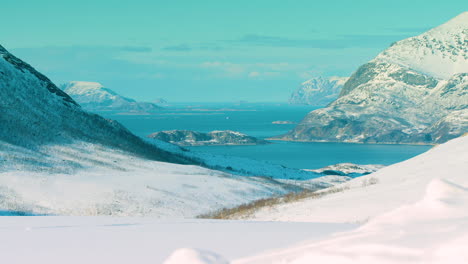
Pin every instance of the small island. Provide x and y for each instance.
(281, 122)
(214, 138)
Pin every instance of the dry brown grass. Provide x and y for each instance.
(247, 209)
(369, 181)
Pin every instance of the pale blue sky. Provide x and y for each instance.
(209, 50)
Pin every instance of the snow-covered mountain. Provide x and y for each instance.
(94, 96)
(318, 91)
(416, 91)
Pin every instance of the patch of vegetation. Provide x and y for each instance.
(369, 181)
(248, 209)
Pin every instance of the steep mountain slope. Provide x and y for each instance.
(94, 97)
(318, 91)
(34, 112)
(404, 95)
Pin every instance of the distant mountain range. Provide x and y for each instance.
(318, 91)
(93, 96)
(416, 91)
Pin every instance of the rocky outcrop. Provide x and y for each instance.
(318, 91)
(193, 138)
(416, 91)
(349, 169)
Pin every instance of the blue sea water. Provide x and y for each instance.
(256, 120)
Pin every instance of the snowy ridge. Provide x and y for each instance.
(441, 52)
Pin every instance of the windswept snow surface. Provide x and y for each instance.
(124, 240)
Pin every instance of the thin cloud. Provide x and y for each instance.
(186, 47)
(181, 47)
(409, 29)
(142, 49)
(338, 42)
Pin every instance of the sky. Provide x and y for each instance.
(210, 51)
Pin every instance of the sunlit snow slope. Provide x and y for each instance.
(387, 189)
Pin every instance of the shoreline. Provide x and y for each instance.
(368, 143)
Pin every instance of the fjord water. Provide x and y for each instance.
(256, 120)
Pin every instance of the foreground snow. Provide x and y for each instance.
(97, 240)
(432, 230)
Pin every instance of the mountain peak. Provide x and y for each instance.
(318, 91)
(456, 25)
(440, 52)
(460, 19)
(82, 85)
(93, 96)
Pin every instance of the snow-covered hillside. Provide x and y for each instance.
(95, 180)
(387, 189)
(94, 96)
(411, 212)
(408, 94)
(318, 91)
